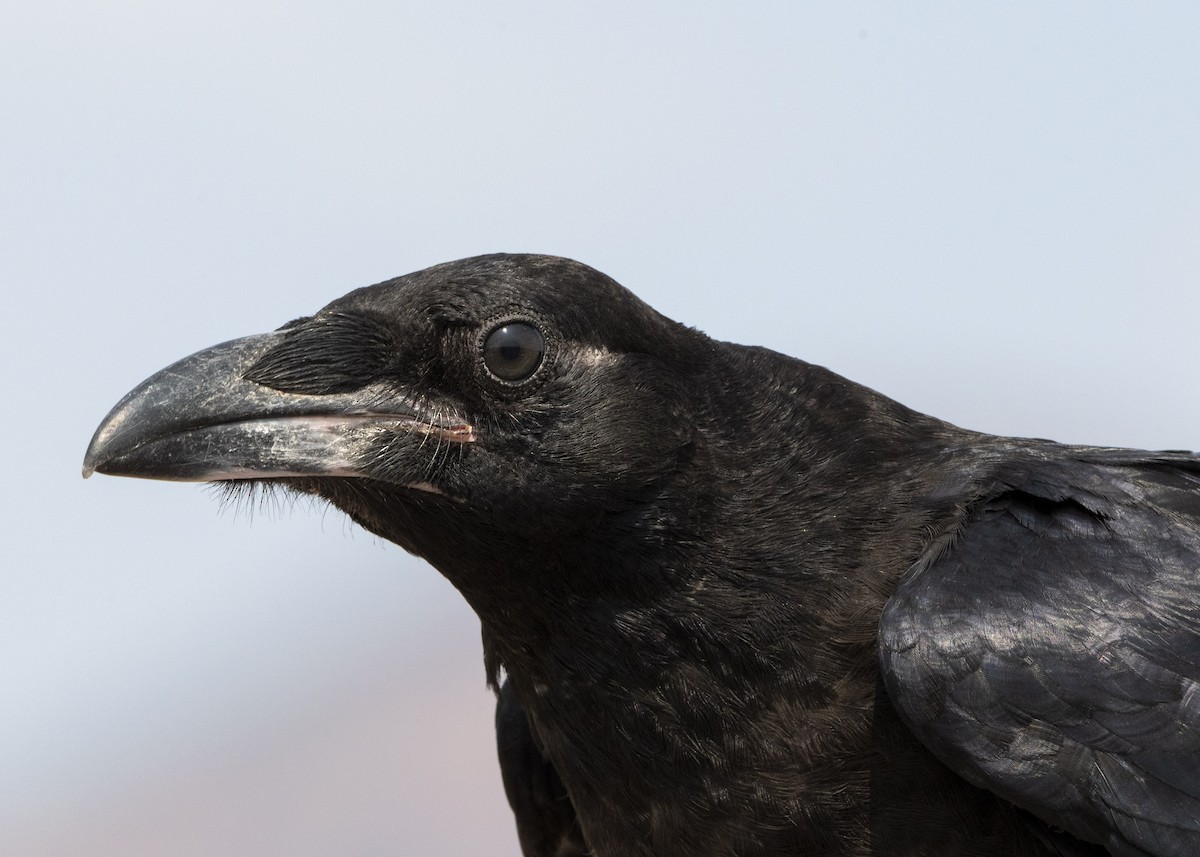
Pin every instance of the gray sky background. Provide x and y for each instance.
(990, 212)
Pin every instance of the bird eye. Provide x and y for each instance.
(513, 351)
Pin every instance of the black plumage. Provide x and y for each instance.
(740, 605)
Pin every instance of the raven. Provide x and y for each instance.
(732, 603)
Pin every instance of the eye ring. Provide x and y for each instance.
(513, 350)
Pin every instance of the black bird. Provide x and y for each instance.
(732, 603)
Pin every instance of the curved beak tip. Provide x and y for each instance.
(163, 403)
(89, 457)
(91, 461)
(97, 455)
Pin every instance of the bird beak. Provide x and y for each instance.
(201, 420)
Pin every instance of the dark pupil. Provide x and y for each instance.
(513, 352)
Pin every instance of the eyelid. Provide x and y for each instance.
(502, 317)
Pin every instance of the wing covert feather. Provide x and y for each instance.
(1051, 651)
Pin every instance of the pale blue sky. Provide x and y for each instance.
(989, 213)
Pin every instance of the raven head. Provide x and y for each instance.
(475, 413)
(678, 548)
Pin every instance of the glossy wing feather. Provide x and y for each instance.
(1051, 653)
